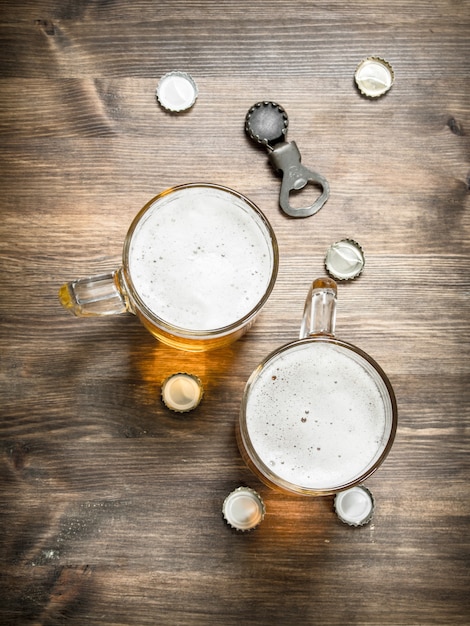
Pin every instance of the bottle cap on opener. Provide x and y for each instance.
(374, 77)
(243, 509)
(176, 91)
(355, 506)
(345, 259)
(182, 392)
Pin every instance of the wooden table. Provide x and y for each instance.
(110, 504)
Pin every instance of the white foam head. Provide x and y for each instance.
(201, 258)
(318, 415)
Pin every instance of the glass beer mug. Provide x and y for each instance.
(199, 263)
(318, 415)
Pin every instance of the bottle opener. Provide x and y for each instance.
(266, 123)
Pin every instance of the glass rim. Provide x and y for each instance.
(198, 333)
(271, 477)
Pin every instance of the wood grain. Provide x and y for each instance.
(110, 506)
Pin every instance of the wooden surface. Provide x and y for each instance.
(110, 505)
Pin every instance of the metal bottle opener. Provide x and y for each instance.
(266, 123)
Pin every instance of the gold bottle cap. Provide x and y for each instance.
(374, 77)
(243, 509)
(182, 392)
(176, 91)
(345, 259)
(355, 506)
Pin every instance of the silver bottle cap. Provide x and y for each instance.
(355, 506)
(374, 77)
(345, 259)
(182, 392)
(243, 509)
(177, 91)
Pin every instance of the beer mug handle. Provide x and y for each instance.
(320, 309)
(95, 296)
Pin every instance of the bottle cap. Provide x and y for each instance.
(345, 259)
(355, 506)
(176, 91)
(266, 123)
(182, 392)
(243, 509)
(374, 77)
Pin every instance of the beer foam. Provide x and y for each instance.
(200, 258)
(317, 416)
